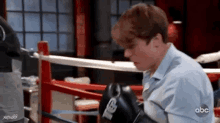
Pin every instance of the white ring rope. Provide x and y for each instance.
(99, 64)
(207, 58)
(88, 63)
(212, 71)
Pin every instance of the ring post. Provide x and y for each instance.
(46, 95)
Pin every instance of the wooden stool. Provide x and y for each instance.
(86, 105)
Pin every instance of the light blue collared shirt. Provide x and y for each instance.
(177, 90)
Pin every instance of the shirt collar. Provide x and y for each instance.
(161, 70)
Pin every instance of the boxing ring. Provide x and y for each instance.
(46, 84)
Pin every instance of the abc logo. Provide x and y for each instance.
(202, 111)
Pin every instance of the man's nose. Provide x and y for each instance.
(127, 53)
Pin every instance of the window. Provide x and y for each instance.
(118, 7)
(47, 20)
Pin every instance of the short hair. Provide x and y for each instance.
(141, 21)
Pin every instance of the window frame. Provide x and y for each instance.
(41, 32)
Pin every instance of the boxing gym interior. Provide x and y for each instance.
(82, 29)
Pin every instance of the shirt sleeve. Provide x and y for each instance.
(180, 119)
(184, 96)
(181, 98)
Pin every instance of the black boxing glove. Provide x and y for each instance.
(119, 104)
(9, 42)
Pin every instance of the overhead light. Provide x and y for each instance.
(177, 22)
(176, 15)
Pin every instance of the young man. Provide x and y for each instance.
(176, 89)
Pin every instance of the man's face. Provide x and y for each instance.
(144, 56)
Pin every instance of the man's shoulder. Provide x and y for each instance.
(187, 71)
(184, 66)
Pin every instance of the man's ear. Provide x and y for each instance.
(157, 40)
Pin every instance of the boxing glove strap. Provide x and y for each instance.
(143, 118)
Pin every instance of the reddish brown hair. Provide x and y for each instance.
(140, 21)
